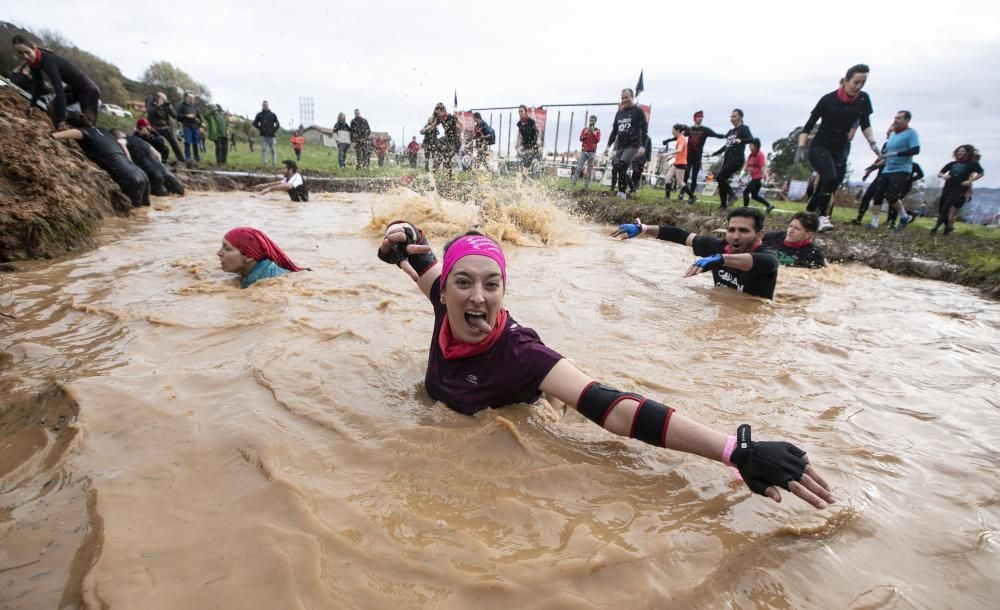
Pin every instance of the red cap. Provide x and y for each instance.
(698, 115)
(143, 122)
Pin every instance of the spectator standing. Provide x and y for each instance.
(450, 142)
(527, 139)
(218, 133)
(342, 134)
(160, 111)
(590, 137)
(361, 134)
(412, 150)
(297, 143)
(267, 125)
(190, 118)
(484, 137)
(429, 131)
(381, 147)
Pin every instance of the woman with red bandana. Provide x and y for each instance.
(481, 357)
(252, 254)
(69, 83)
(837, 112)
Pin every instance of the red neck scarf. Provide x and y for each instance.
(37, 62)
(962, 159)
(798, 244)
(754, 249)
(901, 129)
(452, 348)
(253, 243)
(847, 99)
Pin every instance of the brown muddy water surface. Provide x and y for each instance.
(168, 440)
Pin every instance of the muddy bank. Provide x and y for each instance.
(52, 198)
(961, 259)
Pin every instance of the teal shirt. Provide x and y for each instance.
(264, 269)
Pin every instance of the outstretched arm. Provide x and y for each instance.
(764, 466)
(68, 134)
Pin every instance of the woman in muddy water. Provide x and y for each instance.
(480, 357)
(252, 254)
(69, 84)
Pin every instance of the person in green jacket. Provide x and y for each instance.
(218, 132)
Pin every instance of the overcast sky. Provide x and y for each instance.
(395, 60)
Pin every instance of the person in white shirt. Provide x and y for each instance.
(292, 183)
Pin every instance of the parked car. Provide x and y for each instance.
(115, 110)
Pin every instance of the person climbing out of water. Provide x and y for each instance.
(733, 154)
(69, 84)
(958, 176)
(252, 254)
(836, 112)
(756, 166)
(481, 357)
(293, 183)
(795, 247)
(161, 181)
(104, 149)
(739, 261)
(628, 136)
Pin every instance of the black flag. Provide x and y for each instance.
(638, 85)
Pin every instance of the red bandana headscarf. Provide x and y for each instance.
(253, 243)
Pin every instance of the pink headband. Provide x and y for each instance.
(473, 245)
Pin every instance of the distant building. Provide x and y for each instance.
(314, 134)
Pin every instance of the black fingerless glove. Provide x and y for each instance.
(420, 262)
(766, 463)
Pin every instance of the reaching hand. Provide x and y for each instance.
(628, 231)
(767, 465)
(399, 242)
(708, 263)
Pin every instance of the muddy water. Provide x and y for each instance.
(170, 441)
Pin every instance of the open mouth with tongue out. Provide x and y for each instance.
(477, 321)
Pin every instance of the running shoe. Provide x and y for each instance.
(769, 208)
(621, 195)
(825, 224)
(903, 222)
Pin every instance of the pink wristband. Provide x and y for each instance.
(727, 451)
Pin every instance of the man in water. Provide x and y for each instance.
(292, 183)
(628, 134)
(740, 261)
(795, 247)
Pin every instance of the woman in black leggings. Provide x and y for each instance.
(69, 83)
(837, 112)
(732, 161)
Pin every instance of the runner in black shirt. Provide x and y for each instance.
(628, 134)
(697, 134)
(795, 247)
(732, 161)
(837, 113)
(69, 84)
(958, 177)
(739, 261)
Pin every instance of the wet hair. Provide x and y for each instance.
(477, 116)
(855, 69)
(22, 39)
(77, 119)
(292, 165)
(747, 212)
(809, 221)
(907, 114)
(738, 111)
(756, 142)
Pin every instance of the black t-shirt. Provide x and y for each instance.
(758, 281)
(697, 135)
(734, 150)
(142, 154)
(836, 119)
(629, 128)
(808, 256)
(528, 132)
(960, 172)
(102, 148)
(59, 71)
